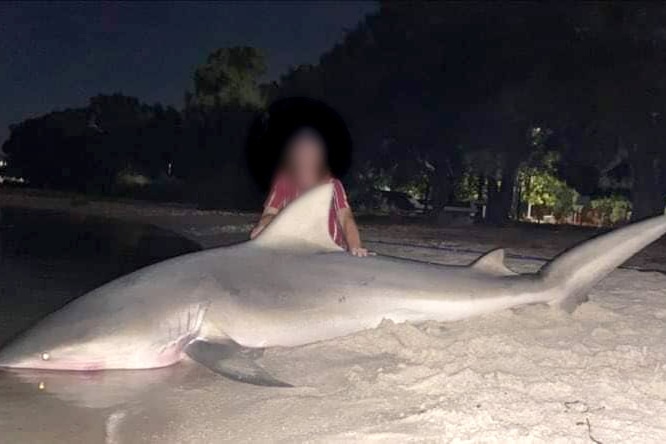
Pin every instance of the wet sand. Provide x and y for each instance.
(46, 259)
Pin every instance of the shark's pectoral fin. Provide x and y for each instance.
(232, 361)
(493, 263)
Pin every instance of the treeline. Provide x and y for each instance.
(121, 146)
(513, 104)
(451, 90)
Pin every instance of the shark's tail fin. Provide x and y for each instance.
(574, 272)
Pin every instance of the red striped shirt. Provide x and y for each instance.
(284, 191)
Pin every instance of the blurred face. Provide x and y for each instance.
(306, 158)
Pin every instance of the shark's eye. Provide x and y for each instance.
(46, 356)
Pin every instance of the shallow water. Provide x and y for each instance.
(47, 259)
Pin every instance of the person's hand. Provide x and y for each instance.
(266, 219)
(256, 231)
(358, 252)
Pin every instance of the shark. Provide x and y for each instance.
(291, 286)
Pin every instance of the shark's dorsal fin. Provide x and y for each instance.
(302, 225)
(493, 263)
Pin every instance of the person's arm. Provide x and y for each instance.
(350, 231)
(274, 202)
(346, 220)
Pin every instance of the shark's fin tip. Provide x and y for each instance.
(493, 263)
(570, 304)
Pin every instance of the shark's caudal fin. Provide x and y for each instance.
(574, 272)
(303, 224)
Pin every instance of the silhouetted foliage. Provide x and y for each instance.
(229, 78)
(85, 149)
(442, 99)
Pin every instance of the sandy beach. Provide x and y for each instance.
(527, 375)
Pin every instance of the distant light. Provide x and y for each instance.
(46, 356)
(10, 179)
(41, 385)
(3, 163)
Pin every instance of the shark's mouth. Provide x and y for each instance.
(137, 362)
(105, 358)
(78, 366)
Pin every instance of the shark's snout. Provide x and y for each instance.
(13, 356)
(9, 358)
(5, 361)
(36, 350)
(17, 357)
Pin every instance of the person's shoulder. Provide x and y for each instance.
(338, 188)
(339, 194)
(336, 182)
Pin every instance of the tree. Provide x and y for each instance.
(620, 94)
(229, 78)
(86, 148)
(409, 78)
(48, 150)
(227, 96)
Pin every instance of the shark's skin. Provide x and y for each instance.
(294, 286)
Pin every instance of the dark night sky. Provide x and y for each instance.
(56, 55)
